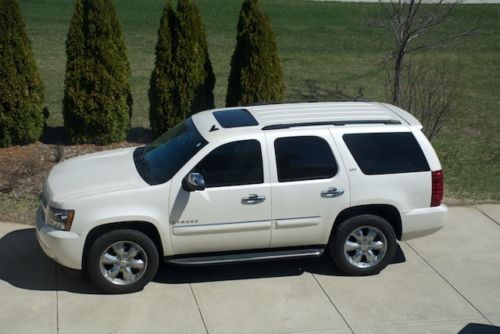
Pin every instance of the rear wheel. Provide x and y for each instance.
(363, 245)
(122, 261)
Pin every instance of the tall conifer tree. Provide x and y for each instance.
(195, 79)
(182, 81)
(163, 112)
(97, 100)
(256, 74)
(21, 89)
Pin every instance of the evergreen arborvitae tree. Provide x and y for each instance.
(256, 74)
(163, 112)
(195, 79)
(204, 96)
(97, 100)
(21, 89)
(183, 80)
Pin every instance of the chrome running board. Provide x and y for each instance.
(204, 260)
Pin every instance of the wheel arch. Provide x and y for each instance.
(147, 228)
(386, 211)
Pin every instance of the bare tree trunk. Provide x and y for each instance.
(396, 91)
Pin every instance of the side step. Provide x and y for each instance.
(246, 257)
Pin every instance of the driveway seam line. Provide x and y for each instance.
(333, 304)
(450, 284)
(57, 296)
(199, 309)
(487, 216)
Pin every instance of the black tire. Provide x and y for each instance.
(346, 260)
(132, 275)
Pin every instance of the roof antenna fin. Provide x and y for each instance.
(214, 128)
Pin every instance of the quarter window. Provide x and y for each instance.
(232, 164)
(386, 153)
(304, 158)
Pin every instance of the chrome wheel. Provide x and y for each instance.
(365, 247)
(123, 263)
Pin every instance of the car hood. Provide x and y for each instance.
(93, 174)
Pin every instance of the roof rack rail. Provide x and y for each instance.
(263, 103)
(335, 123)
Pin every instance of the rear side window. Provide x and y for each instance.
(304, 158)
(386, 153)
(232, 164)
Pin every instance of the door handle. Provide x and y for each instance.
(253, 199)
(332, 192)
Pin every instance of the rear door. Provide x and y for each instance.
(309, 186)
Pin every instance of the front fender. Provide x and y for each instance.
(149, 205)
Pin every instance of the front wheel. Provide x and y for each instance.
(122, 261)
(363, 245)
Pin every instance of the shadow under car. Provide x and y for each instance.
(24, 265)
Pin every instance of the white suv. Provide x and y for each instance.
(247, 184)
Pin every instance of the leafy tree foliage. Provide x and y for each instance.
(21, 89)
(97, 101)
(182, 81)
(256, 74)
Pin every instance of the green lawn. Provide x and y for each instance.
(323, 45)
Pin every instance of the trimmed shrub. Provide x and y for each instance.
(21, 89)
(256, 74)
(97, 100)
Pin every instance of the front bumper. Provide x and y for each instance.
(421, 222)
(65, 247)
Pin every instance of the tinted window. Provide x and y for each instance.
(386, 153)
(161, 159)
(235, 118)
(233, 164)
(304, 158)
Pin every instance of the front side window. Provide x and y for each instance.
(236, 163)
(304, 158)
(162, 159)
(386, 153)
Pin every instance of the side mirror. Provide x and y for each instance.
(193, 182)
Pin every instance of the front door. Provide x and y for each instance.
(234, 210)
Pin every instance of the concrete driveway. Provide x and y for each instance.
(445, 283)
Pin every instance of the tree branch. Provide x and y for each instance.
(439, 43)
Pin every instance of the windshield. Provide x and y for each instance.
(167, 154)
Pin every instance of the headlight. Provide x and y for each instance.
(60, 219)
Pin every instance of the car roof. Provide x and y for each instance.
(279, 116)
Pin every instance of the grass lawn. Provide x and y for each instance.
(323, 45)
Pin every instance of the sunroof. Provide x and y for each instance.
(234, 118)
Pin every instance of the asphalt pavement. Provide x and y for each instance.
(448, 282)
